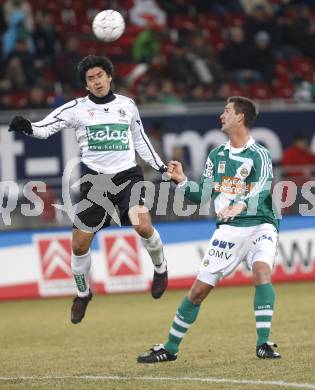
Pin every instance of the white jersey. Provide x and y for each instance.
(108, 133)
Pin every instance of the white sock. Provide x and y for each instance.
(80, 267)
(154, 247)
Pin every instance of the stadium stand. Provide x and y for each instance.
(53, 24)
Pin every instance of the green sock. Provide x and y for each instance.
(184, 317)
(263, 305)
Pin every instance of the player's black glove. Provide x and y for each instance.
(19, 123)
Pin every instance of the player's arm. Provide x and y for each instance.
(143, 145)
(56, 121)
(196, 192)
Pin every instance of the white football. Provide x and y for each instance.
(108, 25)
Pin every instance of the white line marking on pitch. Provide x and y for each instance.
(149, 378)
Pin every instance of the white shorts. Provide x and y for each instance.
(230, 245)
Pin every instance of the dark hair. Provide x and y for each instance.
(245, 106)
(92, 61)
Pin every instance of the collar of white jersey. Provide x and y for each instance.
(102, 100)
(248, 144)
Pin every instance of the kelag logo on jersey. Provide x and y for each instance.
(108, 137)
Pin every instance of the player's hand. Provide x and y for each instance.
(19, 123)
(230, 212)
(175, 171)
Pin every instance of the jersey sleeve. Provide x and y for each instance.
(143, 145)
(262, 180)
(57, 120)
(201, 193)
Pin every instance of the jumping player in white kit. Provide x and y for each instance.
(109, 131)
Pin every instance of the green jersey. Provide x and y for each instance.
(234, 175)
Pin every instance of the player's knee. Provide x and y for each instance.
(80, 248)
(261, 273)
(144, 229)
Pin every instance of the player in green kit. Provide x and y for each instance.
(238, 176)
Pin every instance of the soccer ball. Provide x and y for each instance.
(108, 25)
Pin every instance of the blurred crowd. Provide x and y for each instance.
(172, 51)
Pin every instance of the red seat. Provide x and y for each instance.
(234, 20)
(237, 90)
(303, 67)
(210, 21)
(185, 22)
(217, 41)
(283, 90)
(260, 91)
(89, 46)
(20, 99)
(282, 70)
(123, 70)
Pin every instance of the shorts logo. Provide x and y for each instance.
(206, 262)
(55, 258)
(262, 237)
(221, 167)
(108, 137)
(122, 255)
(223, 244)
(220, 254)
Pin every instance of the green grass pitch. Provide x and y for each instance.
(37, 339)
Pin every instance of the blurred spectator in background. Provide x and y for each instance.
(206, 65)
(298, 161)
(303, 92)
(19, 7)
(37, 98)
(263, 59)
(23, 69)
(199, 93)
(167, 93)
(67, 62)
(144, 9)
(147, 43)
(237, 58)
(17, 30)
(46, 37)
(250, 5)
(223, 92)
(148, 92)
(6, 101)
(181, 68)
(261, 18)
(302, 30)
